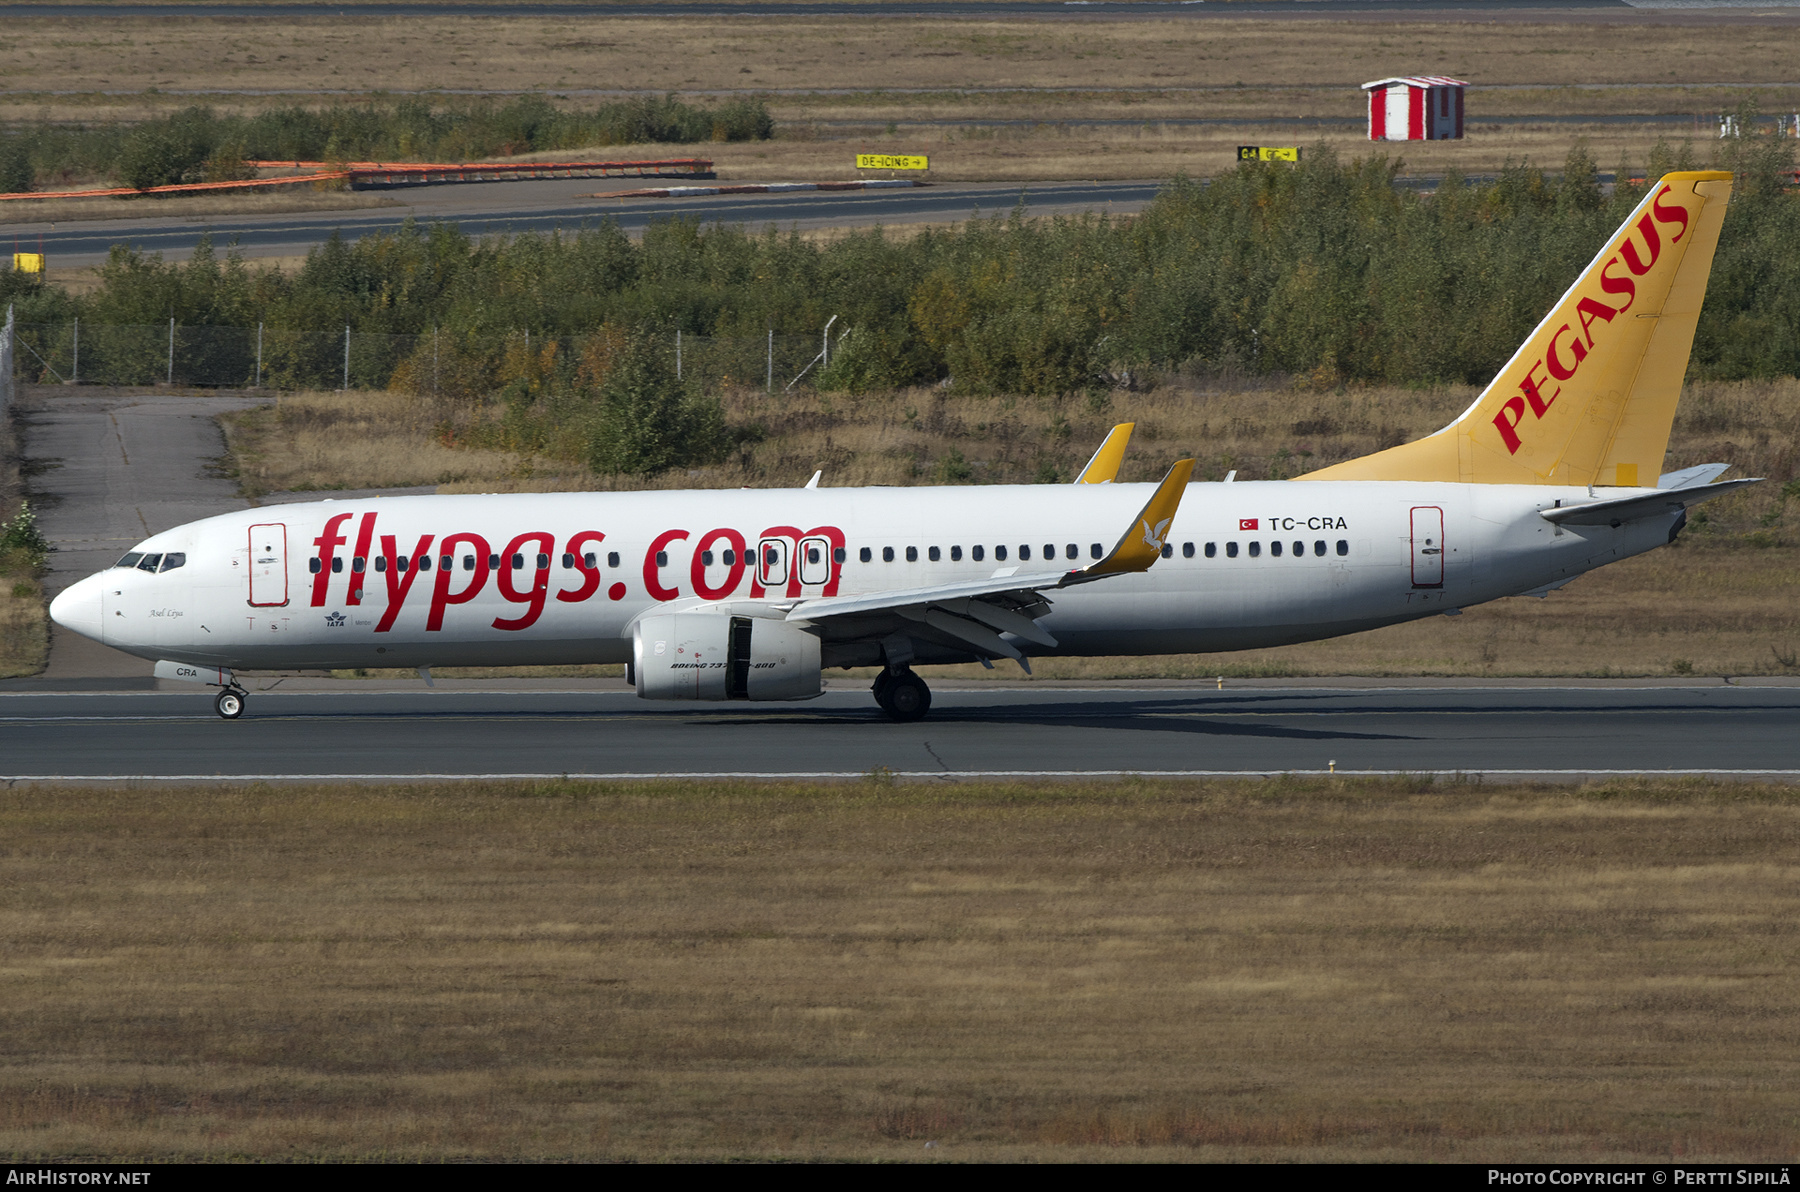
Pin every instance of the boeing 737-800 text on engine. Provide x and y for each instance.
(1553, 471)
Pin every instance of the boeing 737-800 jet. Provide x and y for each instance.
(1552, 472)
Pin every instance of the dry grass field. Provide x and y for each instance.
(1724, 601)
(1028, 89)
(581, 52)
(1124, 971)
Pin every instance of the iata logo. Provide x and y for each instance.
(1569, 347)
(334, 620)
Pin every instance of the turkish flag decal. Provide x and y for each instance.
(1246, 523)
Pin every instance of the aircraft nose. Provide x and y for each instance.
(79, 608)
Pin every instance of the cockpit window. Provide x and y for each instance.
(130, 560)
(172, 560)
(149, 562)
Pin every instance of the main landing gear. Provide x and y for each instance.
(902, 694)
(229, 703)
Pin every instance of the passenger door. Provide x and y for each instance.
(268, 565)
(1427, 547)
(772, 563)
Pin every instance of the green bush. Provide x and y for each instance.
(648, 420)
(21, 538)
(16, 173)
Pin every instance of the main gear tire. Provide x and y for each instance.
(908, 698)
(229, 704)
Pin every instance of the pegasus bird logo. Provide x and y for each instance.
(1154, 538)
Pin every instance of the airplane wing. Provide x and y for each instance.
(1619, 510)
(974, 613)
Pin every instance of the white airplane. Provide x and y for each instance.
(722, 595)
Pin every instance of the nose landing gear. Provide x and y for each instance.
(902, 694)
(229, 703)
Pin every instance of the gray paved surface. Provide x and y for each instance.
(1498, 730)
(112, 467)
(493, 207)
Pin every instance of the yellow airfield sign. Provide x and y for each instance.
(1268, 153)
(28, 262)
(889, 161)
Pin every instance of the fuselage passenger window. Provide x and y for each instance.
(612, 559)
(381, 562)
(975, 552)
(1274, 549)
(312, 565)
(589, 560)
(1187, 550)
(662, 558)
(468, 562)
(358, 564)
(493, 562)
(1049, 551)
(1231, 550)
(887, 554)
(912, 554)
(1343, 546)
(706, 558)
(1168, 550)
(956, 554)
(568, 561)
(1096, 550)
(933, 554)
(518, 562)
(838, 554)
(1299, 550)
(337, 565)
(999, 554)
(1024, 553)
(1255, 549)
(865, 554)
(1072, 551)
(1212, 550)
(1319, 548)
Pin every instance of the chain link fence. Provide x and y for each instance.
(340, 358)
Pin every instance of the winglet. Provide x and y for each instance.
(1104, 467)
(1142, 543)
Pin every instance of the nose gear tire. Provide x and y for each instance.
(229, 704)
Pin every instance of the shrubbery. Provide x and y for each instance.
(198, 144)
(1325, 270)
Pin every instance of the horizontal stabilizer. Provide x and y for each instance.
(1620, 510)
(1692, 477)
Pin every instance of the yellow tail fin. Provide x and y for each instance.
(1590, 396)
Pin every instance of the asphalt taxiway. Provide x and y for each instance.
(566, 205)
(1500, 732)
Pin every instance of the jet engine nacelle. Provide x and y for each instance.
(711, 656)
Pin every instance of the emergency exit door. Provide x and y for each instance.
(1427, 547)
(268, 565)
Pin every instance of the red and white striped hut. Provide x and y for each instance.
(1416, 108)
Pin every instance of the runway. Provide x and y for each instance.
(1499, 732)
(512, 207)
